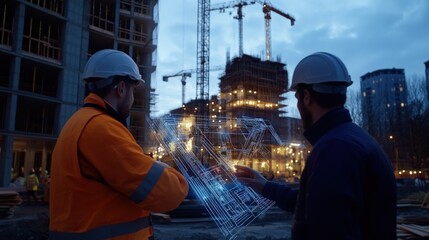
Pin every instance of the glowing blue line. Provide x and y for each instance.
(232, 207)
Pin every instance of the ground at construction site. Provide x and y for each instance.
(31, 222)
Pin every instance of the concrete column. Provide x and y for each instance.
(75, 44)
(130, 50)
(6, 160)
(116, 29)
(19, 27)
(7, 144)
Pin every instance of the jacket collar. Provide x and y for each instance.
(326, 123)
(93, 100)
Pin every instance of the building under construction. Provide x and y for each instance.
(251, 87)
(44, 45)
(254, 88)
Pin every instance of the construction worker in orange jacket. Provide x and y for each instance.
(103, 186)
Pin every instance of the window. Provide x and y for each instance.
(3, 104)
(39, 78)
(7, 18)
(103, 15)
(42, 34)
(52, 5)
(5, 70)
(36, 116)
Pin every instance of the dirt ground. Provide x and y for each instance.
(30, 222)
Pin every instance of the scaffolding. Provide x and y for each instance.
(254, 86)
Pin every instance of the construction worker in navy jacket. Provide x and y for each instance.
(103, 186)
(347, 188)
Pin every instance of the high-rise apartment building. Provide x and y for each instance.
(384, 100)
(384, 106)
(44, 46)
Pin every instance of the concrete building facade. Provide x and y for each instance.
(44, 46)
(384, 107)
(384, 92)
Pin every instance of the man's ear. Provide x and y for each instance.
(120, 89)
(307, 97)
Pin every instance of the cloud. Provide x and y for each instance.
(367, 35)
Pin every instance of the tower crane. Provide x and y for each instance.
(267, 8)
(203, 63)
(187, 74)
(184, 75)
(239, 4)
(203, 54)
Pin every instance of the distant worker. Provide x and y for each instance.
(45, 180)
(347, 188)
(31, 184)
(20, 180)
(103, 186)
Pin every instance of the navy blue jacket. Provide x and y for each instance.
(347, 188)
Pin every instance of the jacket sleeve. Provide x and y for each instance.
(110, 149)
(284, 196)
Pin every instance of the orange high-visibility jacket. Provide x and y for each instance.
(103, 186)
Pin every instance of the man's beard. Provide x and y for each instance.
(124, 108)
(306, 118)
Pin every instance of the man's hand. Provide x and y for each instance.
(250, 178)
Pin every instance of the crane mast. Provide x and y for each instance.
(266, 9)
(239, 5)
(203, 54)
(184, 75)
(267, 33)
(239, 17)
(203, 61)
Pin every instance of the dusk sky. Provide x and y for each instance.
(367, 35)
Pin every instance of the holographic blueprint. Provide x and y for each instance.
(202, 149)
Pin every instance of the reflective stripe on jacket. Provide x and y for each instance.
(120, 186)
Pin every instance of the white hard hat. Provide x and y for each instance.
(108, 63)
(324, 71)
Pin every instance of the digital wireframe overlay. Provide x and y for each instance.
(202, 149)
